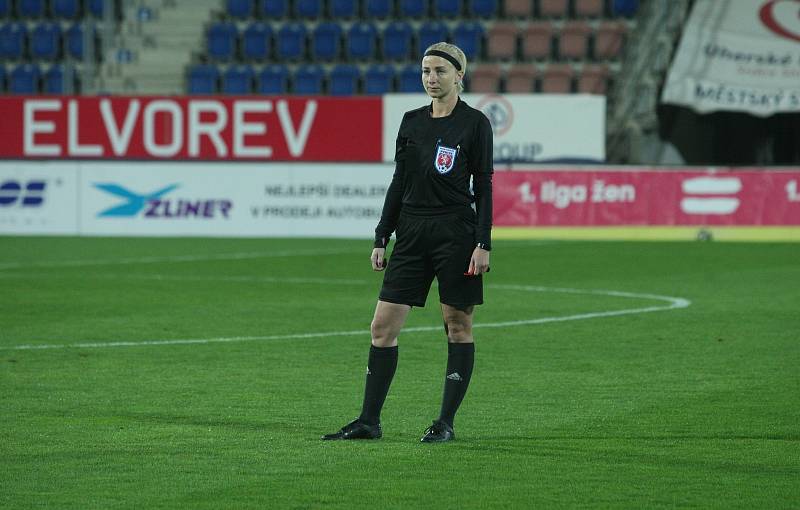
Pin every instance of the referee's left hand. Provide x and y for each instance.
(479, 263)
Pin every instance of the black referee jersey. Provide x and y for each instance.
(435, 158)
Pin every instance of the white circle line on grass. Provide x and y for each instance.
(671, 303)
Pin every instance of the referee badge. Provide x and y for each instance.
(445, 158)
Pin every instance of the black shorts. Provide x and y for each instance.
(429, 246)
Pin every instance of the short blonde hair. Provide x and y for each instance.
(455, 52)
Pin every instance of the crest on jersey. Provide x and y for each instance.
(445, 158)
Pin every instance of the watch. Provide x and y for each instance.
(483, 246)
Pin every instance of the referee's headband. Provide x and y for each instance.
(444, 55)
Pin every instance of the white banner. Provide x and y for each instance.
(539, 128)
(738, 55)
(237, 200)
(38, 198)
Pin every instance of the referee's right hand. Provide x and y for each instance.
(377, 259)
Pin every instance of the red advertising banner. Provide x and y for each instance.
(192, 128)
(646, 197)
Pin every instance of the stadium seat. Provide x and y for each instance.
(413, 8)
(45, 42)
(326, 41)
(378, 79)
(5, 8)
(361, 41)
(203, 79)
(553, 8)
(537, 40)
(240, 9)
(273, 79)
(429, 33)
(308, 9)
(65, 9)
(30, 8)
(343, 80)
(521, 79)
(501, 41)
(96, 7)
(448, 9)
(24, 79)
(608, 40)
(557, 79)
(222, 41)
(410, 79)
(308, 79)
(73, 41)
(291, 41)
(588, 8)
(593, 80)
(519, 8)
(12, 40)
(485, 79)
(257, 41)
(57, 80)
(274, 9)
(343, 9)
(378, 8)
(397, 41)
(483, 8)
(238, 80)
(2, 77)
(469, 37)
(573, 41)
(625, 7)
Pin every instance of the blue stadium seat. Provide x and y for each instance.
(238, 80)
(45, 41)
(291, 41)
(469, 37)
(625, 7)
(378, 8)
(308, 79)
(73, 40)
(326, 41)
(378, 79)
(24, 79)
(65, 9)
(447, 8)
(12, 40)
(30, 8)
(397, 41)
(308, 9)
(483, 8)
(203, 79)
(257, 41)
(413, 8)
(344, 80)
(96, 8)
(274, 9)
(222, 41)
(429, 33)
(410, 79)
(343, 9)
(56, 80)
(273, 79)
(5, 8)
(240, 9)
(361, 41)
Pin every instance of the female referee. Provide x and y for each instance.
(441, 147)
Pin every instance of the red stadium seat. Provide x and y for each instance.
(553, 8)
(536, 40)
(608, 40)
(501, 41)
(519, 8)
(589, 8)
(593, 79)
(557, 79)
(485, 78)
(521, 79)
(573, 41)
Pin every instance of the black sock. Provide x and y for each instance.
(460, 358)
(380, 371)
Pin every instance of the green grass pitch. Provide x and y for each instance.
(200, 373)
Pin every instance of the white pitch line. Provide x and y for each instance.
(672, 303)
(175, 258)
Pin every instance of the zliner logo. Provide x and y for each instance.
(154, 206)
(499, 112)
(26, 194)
(711, 186)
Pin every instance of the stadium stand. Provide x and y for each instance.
(343, 80)
(256, 42)
(326, 41)
(308, 79)
(273, 79)
(379, 79)
(238, 80)
(380, 9)
(343, 9)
